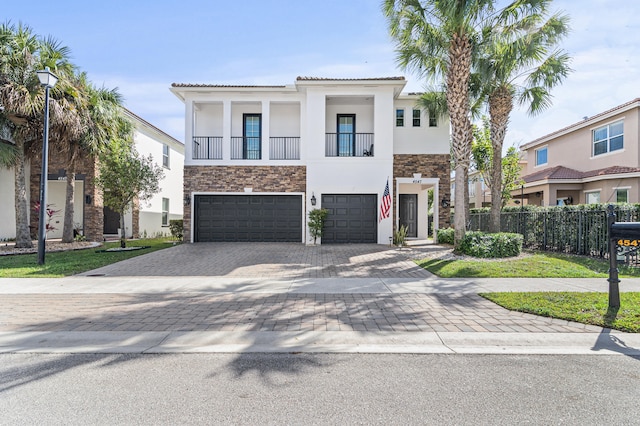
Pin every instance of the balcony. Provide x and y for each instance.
(349, 145)
(246, 148)
(284, 148)
(207, 147)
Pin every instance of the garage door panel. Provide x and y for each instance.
(351, 218)
(249, 218)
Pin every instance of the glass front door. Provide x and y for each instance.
(346, 135)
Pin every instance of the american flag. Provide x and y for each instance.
(385, 204)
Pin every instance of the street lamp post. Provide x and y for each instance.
(48, 80)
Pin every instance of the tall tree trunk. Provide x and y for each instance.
(461, 135)
(123, 232)
(23, 236)
(467, 213)
(500, 106)
(69, 206)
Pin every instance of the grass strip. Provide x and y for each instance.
(537, 265)
(60, 264)
(585, 308)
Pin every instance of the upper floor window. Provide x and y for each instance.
(608, 138)
(433, 120)
(416, 118)
(472, 188)
(399, 118)
(541, 156)
(165, 156)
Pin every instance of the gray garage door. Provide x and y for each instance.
(265, 218)
(352, 218)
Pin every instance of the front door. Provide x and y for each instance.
(409, 213)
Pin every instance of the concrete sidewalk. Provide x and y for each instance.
(140, 314)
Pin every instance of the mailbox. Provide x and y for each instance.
(625, 231)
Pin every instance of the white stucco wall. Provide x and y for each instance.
(8, 210)
(151, 143)
(419, 140)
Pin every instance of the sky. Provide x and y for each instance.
(142, 46)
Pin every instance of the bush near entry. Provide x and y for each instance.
(480, 244)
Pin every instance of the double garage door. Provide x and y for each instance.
(352, 218)
(244, 218)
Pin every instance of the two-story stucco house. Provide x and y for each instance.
(594, 161)
(259, 158)
(90, 217)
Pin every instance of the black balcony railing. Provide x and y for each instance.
(349, 145)
(246, 148)
(284, 148)
(207, 147)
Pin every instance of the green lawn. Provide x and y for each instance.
(60, 264)
(538, 265)
(585, 308)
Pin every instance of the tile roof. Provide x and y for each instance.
(348, 79)
(561, 172)
(590, 119)
(230, 86)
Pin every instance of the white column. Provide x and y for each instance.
(226, 130)
(188, 130)
(266, 130)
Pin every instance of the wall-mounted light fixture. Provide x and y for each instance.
(187, 200)
(313, 199)
(444, 203)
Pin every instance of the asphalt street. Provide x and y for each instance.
(311, 389)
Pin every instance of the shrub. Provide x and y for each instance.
(176, 227)
(446, 236)
(316, 222)
(400, 236)
(480, 244)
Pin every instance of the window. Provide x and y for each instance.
(165, 156)
(252, 132)
(608, 138)
(622, 195)
(592, 197)
(165, 212)
(472, 188)
(541, 156)
(399, 118)
(346, 135)
(416, 118)
(433, 120)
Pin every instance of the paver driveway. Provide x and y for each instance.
(275, 260)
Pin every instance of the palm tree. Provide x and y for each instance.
(437, 39)
(519, 63)
(22, 53)
(101, 115)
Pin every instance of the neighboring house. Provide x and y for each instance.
(92, 219)
(594, 161)
(259, 158)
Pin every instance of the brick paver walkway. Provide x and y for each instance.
(268, 312)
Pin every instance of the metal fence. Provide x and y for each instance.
(583, 232)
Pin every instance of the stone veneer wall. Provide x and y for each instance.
(236, 178)
(431, 166)
(87, 165)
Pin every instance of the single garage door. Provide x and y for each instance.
(352, 218)
(242, 218)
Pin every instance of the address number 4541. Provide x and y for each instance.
(627, 243)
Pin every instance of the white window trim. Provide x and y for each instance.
(535, 156)
(163, 211)
(404, 117)
(608, 123)
(592, 191)
(168, 156)
(421, 117)
(621, 188)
